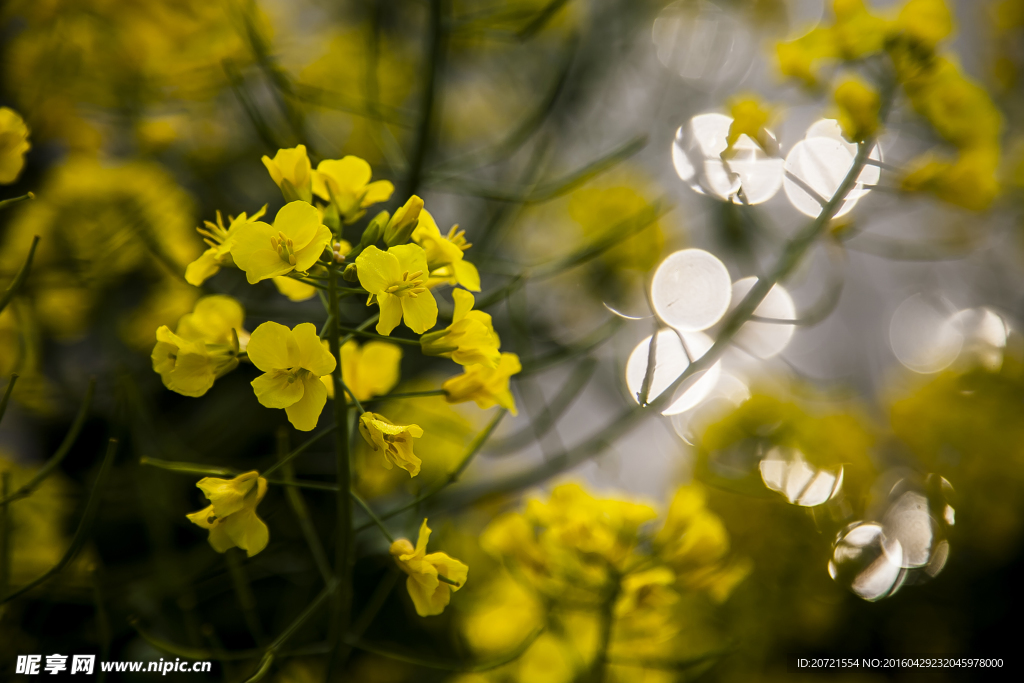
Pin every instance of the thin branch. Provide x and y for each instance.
(84, 526)
(62, 451)
(19, 278)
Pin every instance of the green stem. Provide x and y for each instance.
(192, 468)
(84, 526)
(19, 278)
(344, 542)
(607, 616)
(16, 200)
(430, 104)
(6, 529)
(408, 394)
(373, 516)
(3, 407)
(246, 599)
(373, 335)
(298, 505)
(62, 451)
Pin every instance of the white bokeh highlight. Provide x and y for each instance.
(765, 340)
(749, 175)
(691, 290)
(670, 361)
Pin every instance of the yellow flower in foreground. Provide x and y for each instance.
(395, 280)
(290, 170)
(292, 361)
(13, 145)
(369, 370)
(859, 106)
(346, 183)
(231, 515)
(394, 441)
(204, 348)
(445, 253)
(487, 386)
(220, 240)
(293, 243)
(469, 340)
(429, 594)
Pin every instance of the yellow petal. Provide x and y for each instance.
(277, 389)
(420, 313)
(377, 192)
(390, 312)
(272, 346)
(377, 269)
(299, 221)
(463, 304)
(466, 275)
(305, 413)
(246, 531)
(312, 354)
(203, 268)
(411, 258)
(306, 257)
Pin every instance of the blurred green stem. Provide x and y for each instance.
(298, 505)
(246, 599)
(6, 527)
(20, 277)
(344, 541)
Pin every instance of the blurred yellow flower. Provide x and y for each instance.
(430, 595)
(469, 340)
(802, 58)
(293, 361)
(294, 243)
(368, 370)
(220, 240)
(926, 21)
(857, 33)
(749, 117)
(445, 253)
(859, 106)
(346, 183)
(204, 347)
(393, 441)
(292, 289)
(600, 210)
(485, 385)
(290, 170)
(231, 516)
(165, 304)
(969, 181)
(13, 145)
(395, 280)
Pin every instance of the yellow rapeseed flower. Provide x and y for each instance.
(469, 340)
(395, 280)
(13, 145)
(293, 361)
(859, 105)
(290, 170)
(368, 370)
(430, 595)
(487, 386)
(294, 243)
(346, 183)
(220, 240)
(204, 347)
(445, 253)
(394, 441)
(231, 515)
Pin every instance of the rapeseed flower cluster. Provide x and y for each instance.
(959, 110)
(600, 565)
